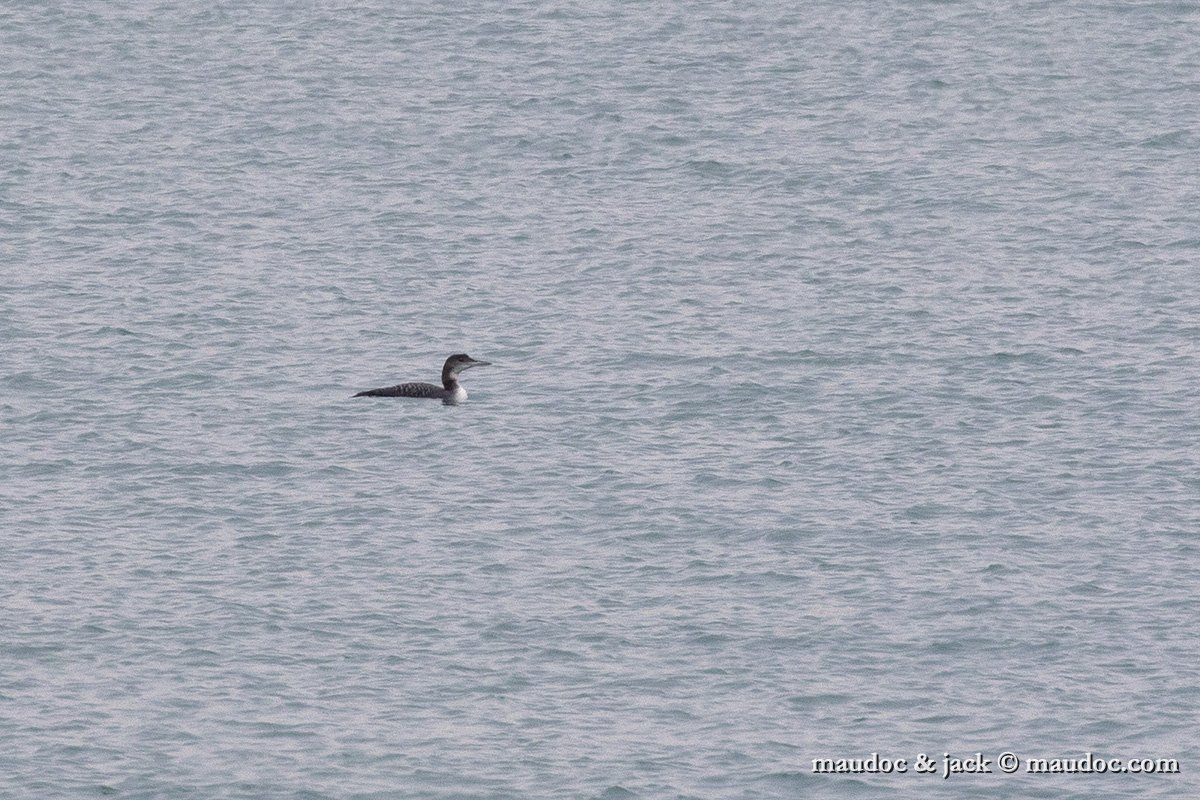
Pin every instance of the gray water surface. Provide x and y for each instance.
(844, 400)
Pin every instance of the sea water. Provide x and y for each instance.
(844, 402)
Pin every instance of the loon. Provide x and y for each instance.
(450, 392)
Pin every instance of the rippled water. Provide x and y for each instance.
(844, 399)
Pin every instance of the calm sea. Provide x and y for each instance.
(845, 399)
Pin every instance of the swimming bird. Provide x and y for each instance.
(450, 392)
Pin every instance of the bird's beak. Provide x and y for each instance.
(480, 363)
